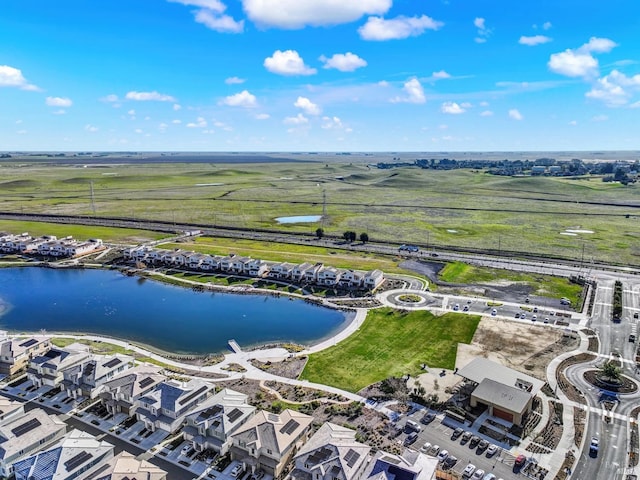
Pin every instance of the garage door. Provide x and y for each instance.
(502, 414)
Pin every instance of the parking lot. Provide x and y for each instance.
(436, 433)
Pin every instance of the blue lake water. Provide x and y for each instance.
(168, 317)
(299, 219)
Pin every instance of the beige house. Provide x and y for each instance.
(268, 441)
(48, 369)
(120, 393)
(124, 466)
(15, 354)
(83, 379)
(332, 453)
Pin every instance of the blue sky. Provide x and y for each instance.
(319, 75)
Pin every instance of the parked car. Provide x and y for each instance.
(517, 315)
(534, 318)
(456, 433)
(442, 455)
(186, 449)
(456, 307)
(489, 476)
(235, 471)
(428, 418)
(425, 448)
(546, 319)
(520, 461)
(412, 426)
(435, 450)
(468, 470)
(465, 437)
(474, 441)
(482, 446)
(478, 474)
(535, 309)
(465, 308)
(411, 438)
(449, 462)
(594, 446)
(523, 316)
(492, 450)
(494, 312)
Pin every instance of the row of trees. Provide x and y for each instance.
(617, 301)
(349, 236)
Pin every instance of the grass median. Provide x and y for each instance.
(391, 343)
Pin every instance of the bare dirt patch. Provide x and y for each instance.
(288, 368)
(526, 348)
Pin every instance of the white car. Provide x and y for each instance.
(534, 318)
(468, 470)
(425, 448)
(492, 450)
(442, 455)
(185, 449)
(435, 450)
(494, 312)
(456, 307)
(478, 474)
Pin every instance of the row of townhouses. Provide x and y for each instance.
(276, 445)
(303, 273)
(48, 245)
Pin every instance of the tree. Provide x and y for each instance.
(364, 237)
(319, 233)
(349, 236)
(610, 371)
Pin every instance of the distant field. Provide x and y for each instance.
(579, 219)
(545, 285)
(80, 232)
(391, 343)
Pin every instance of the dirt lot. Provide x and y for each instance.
(522, 347)
(289, 367)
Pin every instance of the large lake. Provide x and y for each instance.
(171, 318)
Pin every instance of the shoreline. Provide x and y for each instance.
(353, 318)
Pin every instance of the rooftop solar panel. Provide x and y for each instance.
(28, 343)
(145, 382)
(351, 457)
(290, 427)
(26, 427)
(234, 414)
(113, 362)
(77, 460)
(192, 395)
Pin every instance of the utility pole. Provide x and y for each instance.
(324, 206)
(93, 200)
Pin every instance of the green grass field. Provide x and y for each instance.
(545, 285)
(461, 208)
(80, 232)
(391, 343)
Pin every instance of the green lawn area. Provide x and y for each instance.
(544, 285)
(391, 343)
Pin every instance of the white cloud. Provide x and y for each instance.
(288, 62)
(58, 102)
(242, 99)
(176, 121)
(138, 130)
(295, 14)
(234, 81)
(466, 105)
(546, 25)
(534, 40)
(149, 96)
(90, 128)
(580, 62)
(573, 123)
(486, 113)
(383, 83)
(219, 23)
(380, 29)
(599, 45)
(297, 120)
(62, 111)
(199, 123)
(484, 104)
(635, 105)
(216, 5)
(12, 77)
(307, 106)
(163, 126)
(176, 107)
(345, 62)
(600, 118)
(414, 92)
(329, 123)
(131, 112)
(262, 116)
(515, 114)
(452, 108)
(112, 98)
(440, 75)
(483, 31)
(615, 89)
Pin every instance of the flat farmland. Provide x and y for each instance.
(580, 219)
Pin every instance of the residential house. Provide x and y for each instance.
(166, 406)
(351, 279)
(411, 465)
(329, 276)
(226, 262)
(194, 260)
(373, 279)
(120, 394)
(46, 248)
(157, 255)
(11, 243)
(10, 410)
(268, 441)
(210, 262)
(332, 453)
(30, 245)
(76, 453)
(282, 271)
(311, 274)
(298, 273)
(83, 248)
(48, 369)
(177, 258)
(255, 267)
(23, 436)
(82, 379)
(15, 354)
(125, 466)
(237, 264)
(211, 425)
(59, 248)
